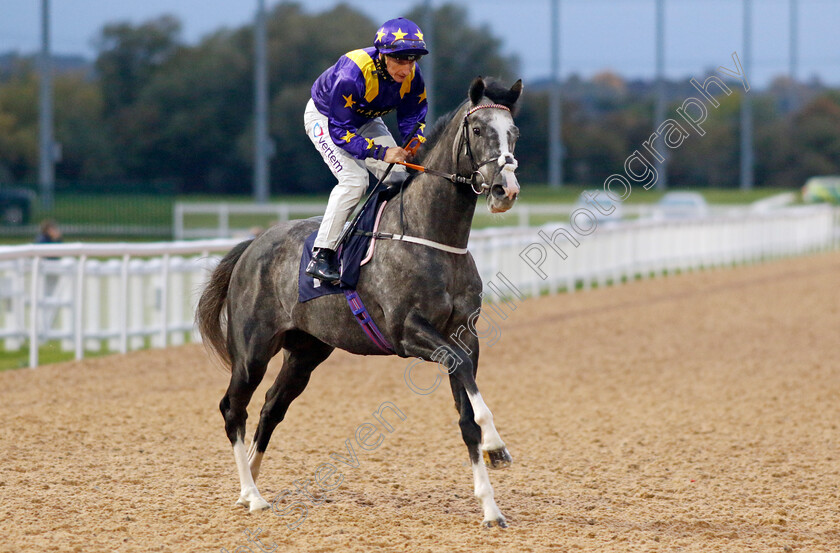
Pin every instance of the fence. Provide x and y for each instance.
(546, 259)
(102, 296)
(128, 296)
(223, 220)
(231, 219)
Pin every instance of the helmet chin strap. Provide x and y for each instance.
(381, 68)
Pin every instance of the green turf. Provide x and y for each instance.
(537, 193)
(47, 354)
(90, 209)
(81, 209)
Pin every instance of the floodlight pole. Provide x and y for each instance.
(555, 110)
(792, 100)
(794, 39)
(46, 145)
(429, 60)
(746, 106)
(261, 140)
(661, 101)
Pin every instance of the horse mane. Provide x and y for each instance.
(433, 136)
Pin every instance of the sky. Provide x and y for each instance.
(596, 35)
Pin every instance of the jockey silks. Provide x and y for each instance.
(356, 90)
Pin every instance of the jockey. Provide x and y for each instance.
(344, 122)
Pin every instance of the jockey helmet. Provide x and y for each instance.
(400, 38)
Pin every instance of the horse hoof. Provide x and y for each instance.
(253, 501)
(498, 458)
(500, 522)
(259, 504)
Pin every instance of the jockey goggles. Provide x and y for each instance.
(405, 57)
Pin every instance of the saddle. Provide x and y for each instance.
(352, 254)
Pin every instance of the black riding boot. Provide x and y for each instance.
(323, 265)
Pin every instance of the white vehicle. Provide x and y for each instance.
(600, 204)
(681, 205)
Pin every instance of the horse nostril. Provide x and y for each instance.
(498, 191)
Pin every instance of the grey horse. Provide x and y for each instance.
(421, 295)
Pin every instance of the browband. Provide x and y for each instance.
(485, 106)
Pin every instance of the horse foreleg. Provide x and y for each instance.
(471, 433)
(476, 420)
(496, 455)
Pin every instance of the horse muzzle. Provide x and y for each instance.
(507, 170)
(505, 188)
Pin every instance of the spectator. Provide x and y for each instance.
(49, 233)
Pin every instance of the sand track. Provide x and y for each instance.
(692, 413)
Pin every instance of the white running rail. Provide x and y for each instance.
(120, 297)
(102, 296)
(224, 220)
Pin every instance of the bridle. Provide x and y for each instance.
(465, 146)
(465, 139)
(455, 178)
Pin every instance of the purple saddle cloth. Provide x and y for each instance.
(350, 253)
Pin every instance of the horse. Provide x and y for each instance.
(249, 310)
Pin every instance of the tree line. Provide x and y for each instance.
(156, 111)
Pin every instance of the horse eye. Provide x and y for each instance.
(476, 131)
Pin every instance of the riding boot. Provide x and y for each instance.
(323, 265)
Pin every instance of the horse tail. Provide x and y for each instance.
(209, 315)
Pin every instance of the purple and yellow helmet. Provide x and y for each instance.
(400, 37)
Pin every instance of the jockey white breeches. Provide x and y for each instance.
(352, 173)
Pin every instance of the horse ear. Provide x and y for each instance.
(477, 89)
(516, 90)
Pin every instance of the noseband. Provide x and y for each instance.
(465, 138)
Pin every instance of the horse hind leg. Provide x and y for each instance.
(249, 365)
(302, 354)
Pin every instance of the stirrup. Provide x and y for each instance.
(322, 266)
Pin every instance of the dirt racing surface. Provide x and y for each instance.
(692, 413)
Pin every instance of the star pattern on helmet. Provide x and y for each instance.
(348, 136)
(399, 34)
(380, 34)
(348, 100)
(419, 35)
